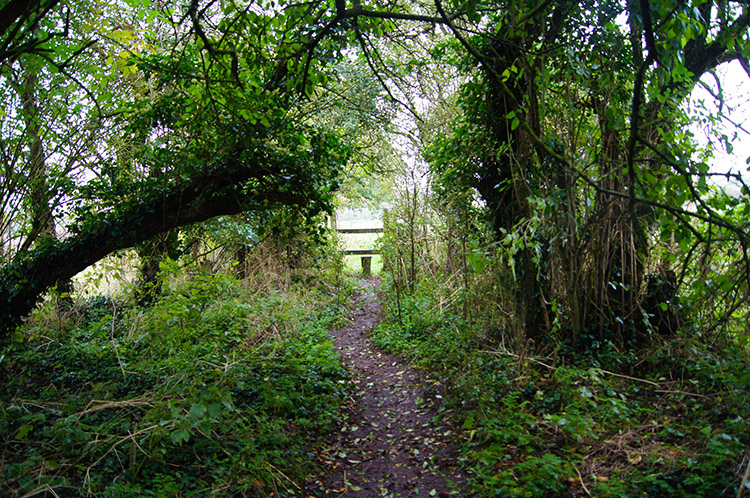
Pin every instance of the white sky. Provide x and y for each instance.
(735, 85)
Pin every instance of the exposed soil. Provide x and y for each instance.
(391, 443)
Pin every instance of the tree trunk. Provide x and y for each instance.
(42, 219)
(153, 253)
(42, 222)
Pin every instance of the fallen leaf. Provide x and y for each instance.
(634, 459)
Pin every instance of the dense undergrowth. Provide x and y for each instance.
(219, 389)
(672, 420)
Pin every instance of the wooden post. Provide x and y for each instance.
(366, 265)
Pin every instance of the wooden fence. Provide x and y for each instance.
(366, 254)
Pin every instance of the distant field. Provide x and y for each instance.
(354, 264)
(358, 240)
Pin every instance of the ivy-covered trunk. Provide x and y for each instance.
(42, 221)
(153, 252)
(509, 176)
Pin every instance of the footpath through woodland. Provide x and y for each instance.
(390, 443)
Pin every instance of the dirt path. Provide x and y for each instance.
(389, 445)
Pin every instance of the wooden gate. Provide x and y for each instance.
(366, 254)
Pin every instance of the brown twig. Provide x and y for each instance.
(527, 358)
(629, 377)
(660, 391)
(744, 481)
(583, 484)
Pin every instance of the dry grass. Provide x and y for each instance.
(635, 449)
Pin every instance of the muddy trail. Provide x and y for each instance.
(390, 442)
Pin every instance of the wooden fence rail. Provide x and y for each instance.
(350, 252)
(359, 230)
(365, 253)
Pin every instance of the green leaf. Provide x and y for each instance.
(684, 244)
(23, 431)
(197, 412)
(214, 410)
(179, 436)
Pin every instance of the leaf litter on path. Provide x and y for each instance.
(390, 442)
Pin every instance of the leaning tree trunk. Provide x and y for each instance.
(227, 188)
